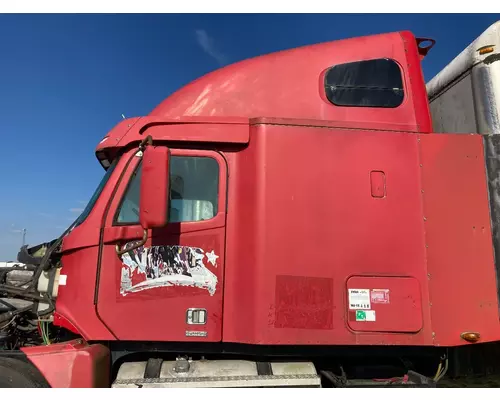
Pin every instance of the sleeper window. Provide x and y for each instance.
(371, 83)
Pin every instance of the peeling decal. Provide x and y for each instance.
(157, 266)
(380, 296)
(212, 258)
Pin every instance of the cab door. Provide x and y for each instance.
(171, 288)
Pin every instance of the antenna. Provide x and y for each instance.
(123, 116)
(24, 237)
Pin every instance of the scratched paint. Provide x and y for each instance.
(159, 266)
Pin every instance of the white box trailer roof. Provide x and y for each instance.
(465, 95)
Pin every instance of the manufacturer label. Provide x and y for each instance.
(196, 334)
(380, 296)
(365, 316)
(359, 299)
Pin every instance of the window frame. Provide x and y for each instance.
(221, 193)
(403, 85)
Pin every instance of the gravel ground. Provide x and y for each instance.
(491, 381)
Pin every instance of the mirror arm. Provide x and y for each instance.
(147, 141)
(121, 252)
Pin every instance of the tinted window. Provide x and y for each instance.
(372, 83)
(194, 191)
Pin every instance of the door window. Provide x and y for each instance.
(194, 191)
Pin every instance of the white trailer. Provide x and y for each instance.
(464, 96)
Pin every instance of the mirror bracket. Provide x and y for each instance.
(125, 249)
(147, 141)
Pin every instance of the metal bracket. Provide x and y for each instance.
(120, 251)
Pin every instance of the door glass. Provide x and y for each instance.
(194, 191)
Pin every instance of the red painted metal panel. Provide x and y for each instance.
(416, 83)
(289, 84)
(163, 309)
(378, 185)
(80, 263)
(227, 130)
(72, 364)
(339, 124)
(75, 300)
(301, 217)
(393, 304)
(60, 320)
(304, 302)
(207, 132)
(462, 282)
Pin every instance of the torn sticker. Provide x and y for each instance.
(158, 266)
(365, 316)
(380, 296)
(359, 299)
(212, 258)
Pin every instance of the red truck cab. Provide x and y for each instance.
(282, 235)
(298, 198)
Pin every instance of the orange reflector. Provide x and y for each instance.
(471, 337)
(486, 49)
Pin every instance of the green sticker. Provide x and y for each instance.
(360, 315)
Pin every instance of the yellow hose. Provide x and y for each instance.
(440, 367)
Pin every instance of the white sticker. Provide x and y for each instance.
(62, 279)
(359, 299)
(365, 316)
(196, 334)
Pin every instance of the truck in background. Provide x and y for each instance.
(314, 217)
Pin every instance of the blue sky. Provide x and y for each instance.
(65, 80)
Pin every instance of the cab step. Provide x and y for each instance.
(158, 373)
